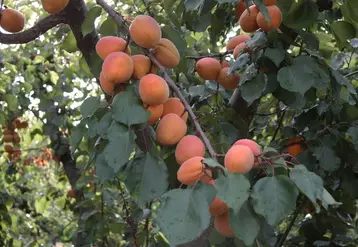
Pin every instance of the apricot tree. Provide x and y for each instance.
(179, 123)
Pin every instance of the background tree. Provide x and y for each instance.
(178, 128)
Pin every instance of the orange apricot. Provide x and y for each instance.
(117, 67)
(296, 145)
(170, 130)
(238, 49)
(233, 42)
(218, 207)
(106, 86)
(222, 225)
(240, 8)
(224, 64)
(110, 44)
(173, 105)
(54, 6)
(166, 53)
(155, 113)
(185, 116)
(142, 66)
(8, 138)
(275, 18)
(145, 31)
(189, 146)
(228, 82)
(9, 149)
(269, 2)
(12, 20)
(255, 148)
(208, 68)
(193, 170)
(239, 159)
(248, 20)
(153, 90)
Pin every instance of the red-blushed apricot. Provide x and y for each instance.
(54, 6)
(8, 138)
(171, 128)
(110, 44)
(173, 105)
(237, 40)
(155, 113)
(218, 207)
(269, 2)
(193, 170)
(106, 86)
(255, 148)
(238, 49)
(9, 149)
(239, 159)
(24, 124)
(166, 53)
(296, 145)
(228, 82)
(142, 66)
(240, 8)
(17, 121)
(189, 146)
(225, 64)
(16, 138)
(275, 18)
(117, 67)
(185, 116)
(248, 20)
(208, 68)
(145, 31)
(222, 225)
(153, 90)
(12, 20)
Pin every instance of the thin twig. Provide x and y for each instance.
(220, 55)
(279, 124)
(352, 73)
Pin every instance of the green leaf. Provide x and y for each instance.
(91, 16)
(120, 147)
(233, 190)
(343, 81)
(274, 198)
(103, 124)
(302, 14)
(308, 183)
(328, 200)
(275, 54)
(11, 101)
(109, 27)
(147, 178)
(69, 44)
(343, 31)
(90, 106)
(175, 36)
(245, 224)
(262, 9)
(184, 214)
(41, 205)
(95, 64)
(127, 108)
(77, 135)
(327, 158)
(193, 4)
(213, 164)
(252, 90)
(103, 171)
(258, 40)
(239, 63)
(352, 132)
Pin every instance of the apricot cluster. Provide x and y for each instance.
(252, 20)
(40, 160)
(11, 20)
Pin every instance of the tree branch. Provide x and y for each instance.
(220, 55)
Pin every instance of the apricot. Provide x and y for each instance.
(54, 6)
(145, 31)
(23, 125)
(153, 90)
(208, 68)
(189, 146)
(248, 21)
(255, 148)
(110, 44)
(117, 67)
(296, 145)
(71, 193)
(193, 170)
(155, 113)
(240, 8)
(269, 2)
(17, 121)
(9, 149)
(236, 40)
(238, 49)
(225, 64)
(16, 138)
(7, 138)
(12, 20)
(239, 159)
(166, 53)
(222, 225)
(171, 128)
(106, 86)
(275, 19)
(173, 105)
(218, 207)
(228, 82)
(185, 116)
(142, 66)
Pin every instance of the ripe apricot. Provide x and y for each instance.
(269, 2)
(117, 67)
(17, 121)
(218, 207)
(145, 31)
(153, 90)
(296, 145)
(106, 86)
(208, 68)
(222, 225)
(248, 21)
(71, 193)
(240, 8)
(110, 44)
(170, 130)
(173, 105)
(54, 6)
(166, 53)
(23, 125)
(12, 20)
(224, 64)
(7, 138)
(142, 66)
(239, 159)
(275, 18)
(228, 82)
(255, 148)
(236, 40)
(9, 149)
(16, 138)
(238, 49)
(155, 113)
(185, 116)
(193, 170)
(8, 132)
(189, 146)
